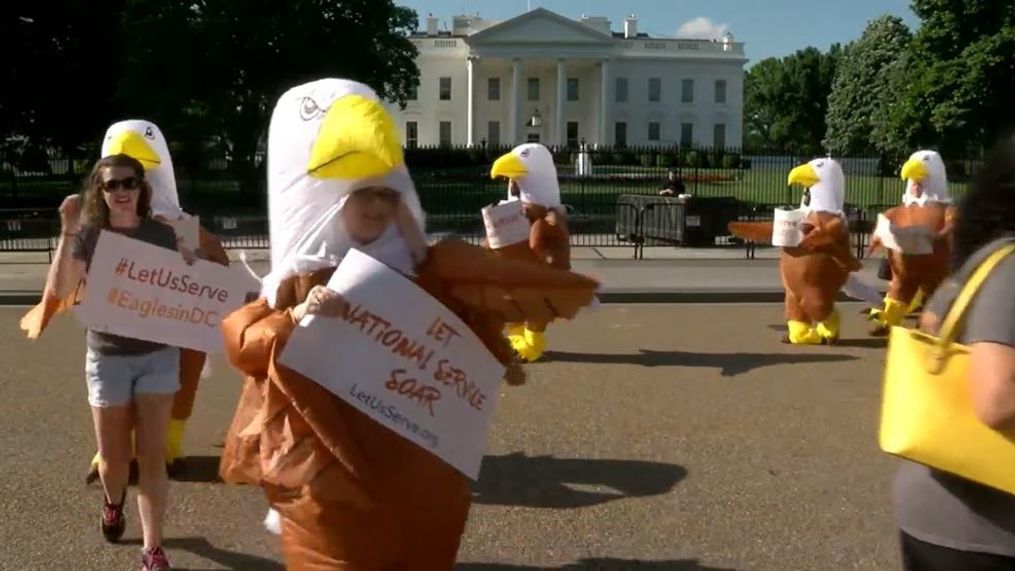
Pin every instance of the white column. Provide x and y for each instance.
(470, 110)
(561, 92)
(516, 101)
(604, 84)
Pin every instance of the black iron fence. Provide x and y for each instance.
(454, 184)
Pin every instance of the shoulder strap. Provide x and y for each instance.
(969, 290)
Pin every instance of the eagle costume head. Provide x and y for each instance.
(926, 179)
(143, 141)
(825, 184)
(327, 139)
(531, 167)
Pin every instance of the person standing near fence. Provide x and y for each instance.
(948, 523)
(131, 382)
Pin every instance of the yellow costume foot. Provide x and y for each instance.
(828, 329)
(175, 465)
(529, 345)
(801, 333)
(891, 316)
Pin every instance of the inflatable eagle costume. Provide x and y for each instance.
(347, 491)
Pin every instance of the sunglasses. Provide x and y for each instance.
(129, 183)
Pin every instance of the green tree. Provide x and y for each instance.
(785, 100)
(959, 80)
(861, 96)
(215, 68)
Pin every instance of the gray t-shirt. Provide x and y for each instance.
(939, 508)
(149, 231)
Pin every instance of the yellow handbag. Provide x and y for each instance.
(927, 412)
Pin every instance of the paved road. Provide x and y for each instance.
(657, 437)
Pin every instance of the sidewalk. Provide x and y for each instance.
(664, 275)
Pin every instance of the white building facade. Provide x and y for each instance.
(543, 77)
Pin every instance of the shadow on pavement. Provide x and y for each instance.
(730, 364)
(548, 482)
(200, 470)
(225, 559)
(600, 565)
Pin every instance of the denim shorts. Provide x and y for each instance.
(113, 380)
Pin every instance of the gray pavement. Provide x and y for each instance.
(663, 437)
(666, 274)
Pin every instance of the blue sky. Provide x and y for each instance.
(768, 27)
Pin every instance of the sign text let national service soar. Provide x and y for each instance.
(404, 359)
(139, 290)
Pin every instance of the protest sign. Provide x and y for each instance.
(404, 359)
(139, 290)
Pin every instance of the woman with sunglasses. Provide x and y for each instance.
(130, 381)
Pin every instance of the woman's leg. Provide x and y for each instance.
(112, 432)
(153, 482)
(153, 400)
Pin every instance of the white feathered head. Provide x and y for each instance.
(531, 167)
(143, 141)
(926, 179)
(327, 139)
(825, 184)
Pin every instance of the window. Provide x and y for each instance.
(687, 90)
(413, 92)
(445, 89)
(686, 134)
(620, 134)
(719, 135)
(572, 89)
(720, 91)
(655, 89)
(572, 133)
(532, 138)
(493, 133)
(653, 131)
(533, 89)
(411, 134)
(493, 89)
(621, 88)
(445, 133)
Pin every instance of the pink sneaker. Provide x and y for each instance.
(154, 559)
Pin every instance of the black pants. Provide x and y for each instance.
(885, 270)
(920, 556)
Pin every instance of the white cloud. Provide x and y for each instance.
(702, 28)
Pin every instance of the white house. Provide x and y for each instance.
(543, 77)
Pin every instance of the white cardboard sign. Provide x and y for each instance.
(404, 359)
(786, 232)
(913, 240)
(139, 290)
(505, 224)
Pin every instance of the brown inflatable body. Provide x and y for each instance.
(351, 493)
(912, 273)
(813, 272)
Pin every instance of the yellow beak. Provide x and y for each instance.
(510, 166)
(804, 175)
(357, 140)
(914, 169)
(132, 144)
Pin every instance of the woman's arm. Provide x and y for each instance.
(66, 272)
(990, 334)
(992, 382)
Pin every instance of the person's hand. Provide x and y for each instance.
(70, 214)
(188, 255)
(875, 245)
(321, 301)
(665, 192)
